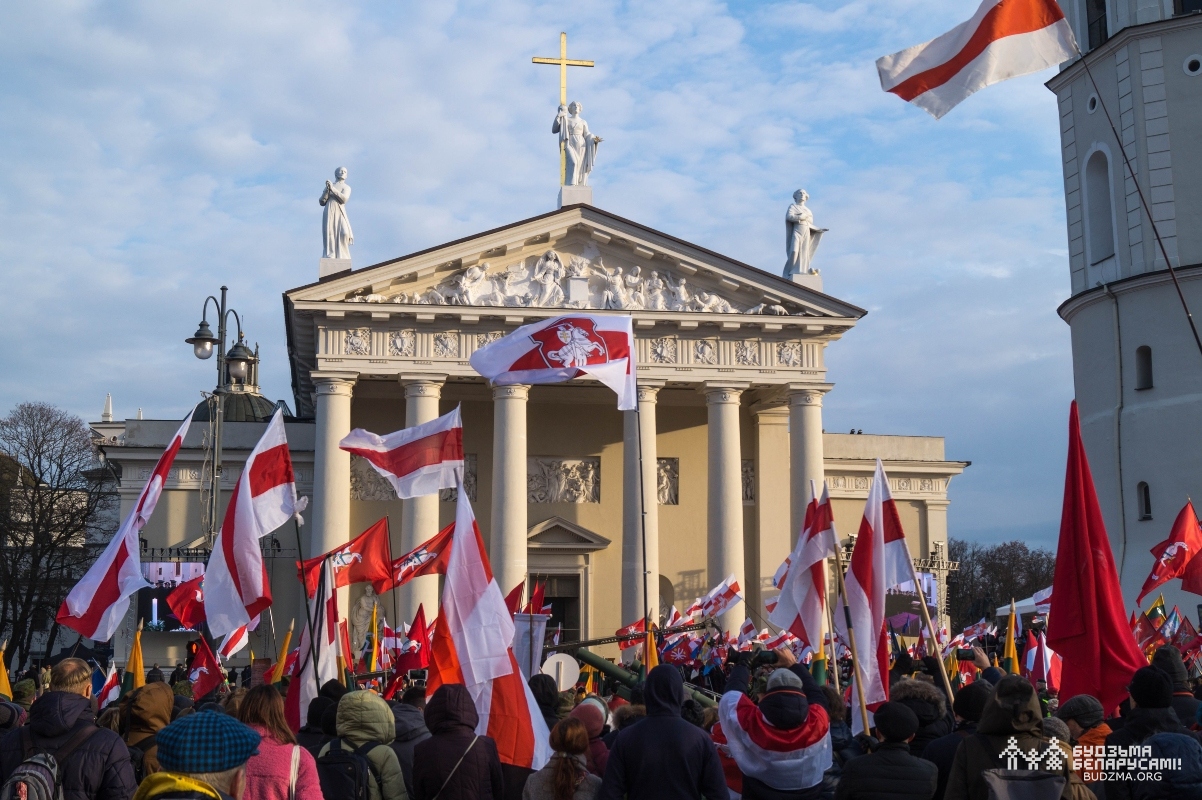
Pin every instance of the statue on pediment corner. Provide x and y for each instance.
(801, 236)
(336, 235)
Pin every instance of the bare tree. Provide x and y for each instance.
(54, 500)
(990, 575)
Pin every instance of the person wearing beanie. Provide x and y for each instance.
(992, 675)
(1085, 719)
(597, 754)
(1151, 697)
(890, 770)
(929, 703)
(783, 745)
(311, 736)
(411, 730)
(968, 705)
(202, 757)
(1168, 660)
(1011, 712)
(24, 693)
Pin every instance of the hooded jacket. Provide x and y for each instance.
(942, 752)
(411, 730)
(1178, 784)
(929, 704)
(176, 786)
(663, 757)
(452, 719)
(311, 736)
(1167, 659)
(99, 769)
(364, 717)
(1012, 711)
(546, 694)
(149, 712)
(889, 771)
(1139, 724)
(597, 756)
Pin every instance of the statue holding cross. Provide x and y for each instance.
(577, 144)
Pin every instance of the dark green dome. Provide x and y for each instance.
(240, 407)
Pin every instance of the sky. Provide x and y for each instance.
(156, 150)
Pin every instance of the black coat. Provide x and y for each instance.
(890, 772)
(411, 731)
(663, 757)
(99, 769)
(451, 719)
(942, 752)
(930, 705)
(1138, 725)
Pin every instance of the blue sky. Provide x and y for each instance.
(156, 150)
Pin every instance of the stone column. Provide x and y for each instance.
(773, 536)
(633, 605)
(725, 507)
(330, 517)
(419, 515)
(507, 539)
(805, 449)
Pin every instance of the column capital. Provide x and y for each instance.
(422, 385)
(334, 383)
(718, 392)
(513, 391)
(806, 394)
(648, 392)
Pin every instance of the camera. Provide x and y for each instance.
(964, 654)
(763, 658)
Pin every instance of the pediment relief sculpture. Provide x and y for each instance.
(563, 280)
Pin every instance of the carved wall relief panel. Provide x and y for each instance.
(748, 482)
(469, 481)
(446, 345)
(704, 352)
(663, 350)
(747, 354)
(788, 354)
(563, 480)
(667, 481)
(400, 343)
(357, 342)
(366, 483)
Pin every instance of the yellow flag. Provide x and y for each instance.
(650, 654)
(278, 672)
(375, 637)
(134, 664)
(1010, 653)
(6, 688)
(1156, 613)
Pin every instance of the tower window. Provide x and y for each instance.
(1144, 495)
(1143, 367)
(1095, 17)
(1193, 64)
(1187, 7)
(1100, 211)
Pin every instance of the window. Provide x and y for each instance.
(562, 593)
(1143, 367)
(1145, 500)
(1095, 17)
(1187, 6)
(1100, 212)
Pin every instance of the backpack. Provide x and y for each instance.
(1025, 784)
(137, 756)
(39, 776)
(345, 774)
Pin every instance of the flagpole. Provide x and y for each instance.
(305, 591)
(856, 677)
(926, 618)
(396, 612)
(638, 421)
(830, 620)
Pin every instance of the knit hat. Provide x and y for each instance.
(591, 716)
(896, 722)
(23, 692)
(1083, 709)
(205, 742)
(970, 701)
(1168, 660)
(1151, 688)
(1055, 728)
(784, 679)
(992, 675)
(11, 716)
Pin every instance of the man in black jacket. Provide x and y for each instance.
(968, 707)
(890, 771)
(411, 730)
(663, 757)
(98, 766)
(1151, 713)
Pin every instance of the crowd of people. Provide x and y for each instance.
(774, 733)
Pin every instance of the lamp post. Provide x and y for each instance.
(232, 367)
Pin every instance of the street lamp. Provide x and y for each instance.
(232, 367)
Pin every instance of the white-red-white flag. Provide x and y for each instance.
(309, 675)
(236, 584)
(559, 349)
(110, 692)
(472, 646)
(416, 461)
(1004, 39)
(879, 561)
(234, 641)
(801, 606)
(722, 597)
(97, 604)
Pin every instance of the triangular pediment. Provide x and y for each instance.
(559, 535)
(577, 257)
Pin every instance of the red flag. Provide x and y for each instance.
(344, 644)
(535, 606)
(206, 674)
(1175, 554)
(634, 627)
(187, 602)
(428, 558)
(513, 600)
(1146, 635)
(418, 658)
(1086, 625)
(1185, 635)
(364, 559)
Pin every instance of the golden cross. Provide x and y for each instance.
(564, 62)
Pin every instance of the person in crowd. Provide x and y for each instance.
(1012, 711)
(155, 675)
(232, 701)
(411, 730)
(455, 763)
(889, 770)
(968, 705)
(597, 754)
(180, 705)
(1168, 660)
(566, 776)
(12, 716)
(781, 745)
(282, 769)
(246, 675)
(692, 712)
(25, 692)
(546, 694)
(663, 757)
(1182, 783)
(1151, 696)
(364, 717)
(178, 674)
(1057, 731)
(929, 703)
(623, 717)
(95, 763)
(311, 736)
(203, 757)
(1086, 722)
(148, 711)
